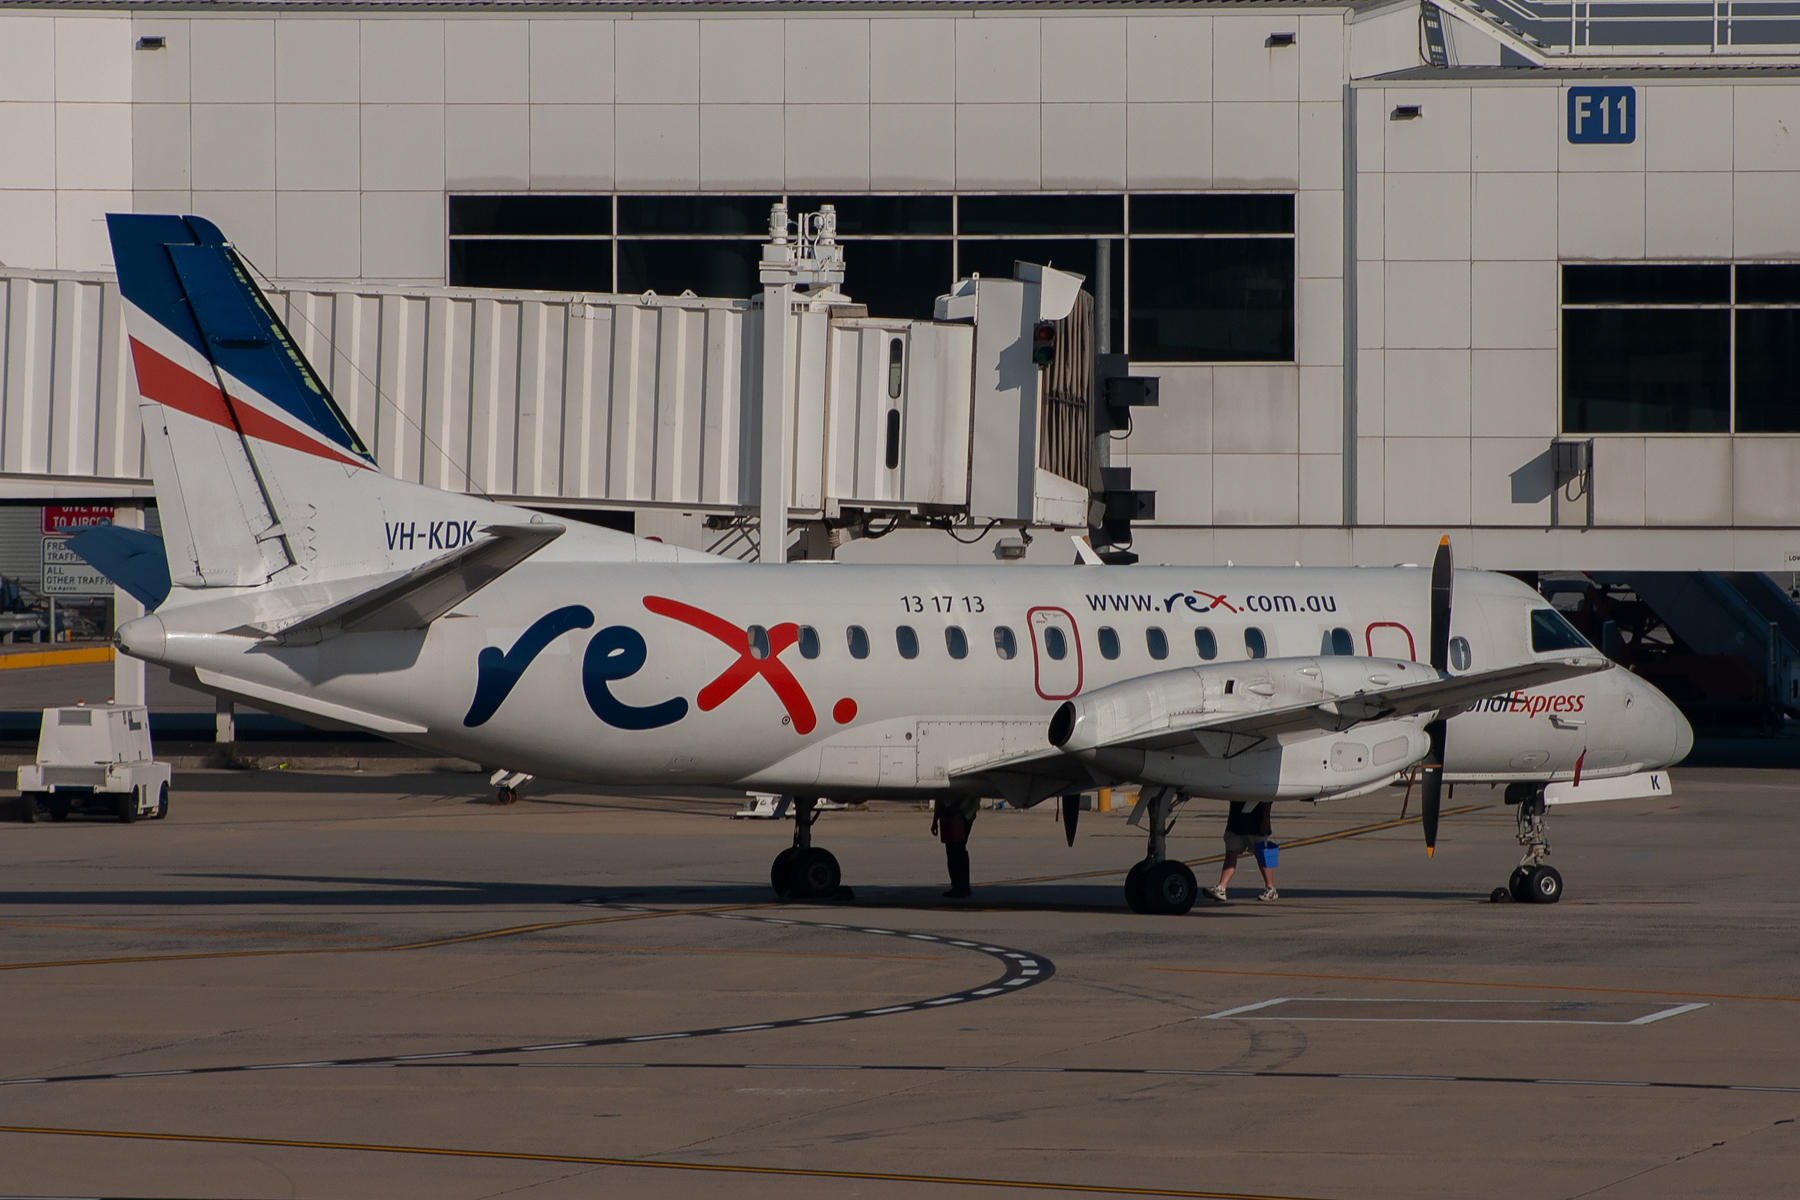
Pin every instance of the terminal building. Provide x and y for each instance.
(1519, 271)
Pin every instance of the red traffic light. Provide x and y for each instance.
(1043, 343)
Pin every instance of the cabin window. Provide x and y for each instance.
(858, 638)
(907, 638)
(1206, 644)
(956, 641)
(1109, 642)
(809, 642)
(1549, 631)
(1460, 658)
(1055, 644)
(1337, 642)
(1157, 642)
(1254, 644)
(1005, 644)
(759, 641)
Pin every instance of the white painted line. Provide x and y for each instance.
(1409, 1078)
(449, 1054)
(1591, 1082)
(1232, 1012)
(265, 1067)
(822, 1020)
(656, 1037)
(745, 1028)
(1668, 1012)
(993, 991)
(554, 1046)
(945, 1000)
(882, 1012)
(149, 1074)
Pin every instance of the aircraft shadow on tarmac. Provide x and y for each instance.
(375, 891)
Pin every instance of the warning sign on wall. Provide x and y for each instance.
(62, 518)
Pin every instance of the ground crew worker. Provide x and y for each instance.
(950, 820)
(1246, 825)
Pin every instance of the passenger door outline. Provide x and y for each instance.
(1042, 665)
(1412, 649)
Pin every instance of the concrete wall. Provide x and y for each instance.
(1465, 214)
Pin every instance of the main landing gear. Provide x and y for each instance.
(804, 871)
(1533, 881)
(1160, 884)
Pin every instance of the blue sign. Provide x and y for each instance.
(1602, 114)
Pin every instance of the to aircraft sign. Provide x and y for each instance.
(61, 518)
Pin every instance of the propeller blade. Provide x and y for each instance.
(1442, 579)
(1071, 806)
(1431, 785)
(1431, 782)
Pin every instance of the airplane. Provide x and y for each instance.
(304, 582)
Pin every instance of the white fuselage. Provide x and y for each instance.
(648, 673)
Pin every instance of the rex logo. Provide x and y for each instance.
(618, 652)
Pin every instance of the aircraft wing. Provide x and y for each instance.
(1226, 734)
(428, 591)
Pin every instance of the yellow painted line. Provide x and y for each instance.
(1538, 987)
(459, 939)
(1357, 831)
(55, 658)
(644, 1163)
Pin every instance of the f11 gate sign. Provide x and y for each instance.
(1602, 114)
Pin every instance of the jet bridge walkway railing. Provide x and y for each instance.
(1637, 32)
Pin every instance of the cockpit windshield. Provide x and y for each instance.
(1549, 631)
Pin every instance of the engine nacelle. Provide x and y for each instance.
(1344, 748)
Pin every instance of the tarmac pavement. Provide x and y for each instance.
(364, 985)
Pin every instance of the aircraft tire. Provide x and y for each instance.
(1520, 885)
(1170, 888)
(814, 874)
(781, 875)
(1546, 885)
(1134, 887)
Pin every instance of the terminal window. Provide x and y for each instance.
(1179, 278)
(1681, 348)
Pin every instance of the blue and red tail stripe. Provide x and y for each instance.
(180, 274)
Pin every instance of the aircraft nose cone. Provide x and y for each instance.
(143, 638)
(1684, 734)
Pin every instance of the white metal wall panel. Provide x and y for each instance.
(620, 399)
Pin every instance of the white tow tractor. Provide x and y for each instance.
(95, 759)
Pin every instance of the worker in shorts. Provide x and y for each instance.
(1246, 825)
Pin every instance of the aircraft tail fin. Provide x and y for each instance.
(258, 472)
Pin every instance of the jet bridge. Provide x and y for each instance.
(623, 402)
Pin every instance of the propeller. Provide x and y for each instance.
(1431, 782)
(1071, 813)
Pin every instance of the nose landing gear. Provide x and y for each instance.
(1533, 881)
(804, 871)
(1160, 884)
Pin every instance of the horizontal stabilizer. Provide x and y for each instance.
(428, 591)
(129, 558)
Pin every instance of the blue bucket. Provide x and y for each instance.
(1268, 854)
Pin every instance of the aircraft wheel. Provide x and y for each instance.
(128, 807)
(1546, 885)
(59, 807)
(1134, 887)
(162, 802)
(815, 874)
(1520, 885)
(781, 872)
(1169, 888)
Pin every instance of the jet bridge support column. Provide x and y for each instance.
(811, 257)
